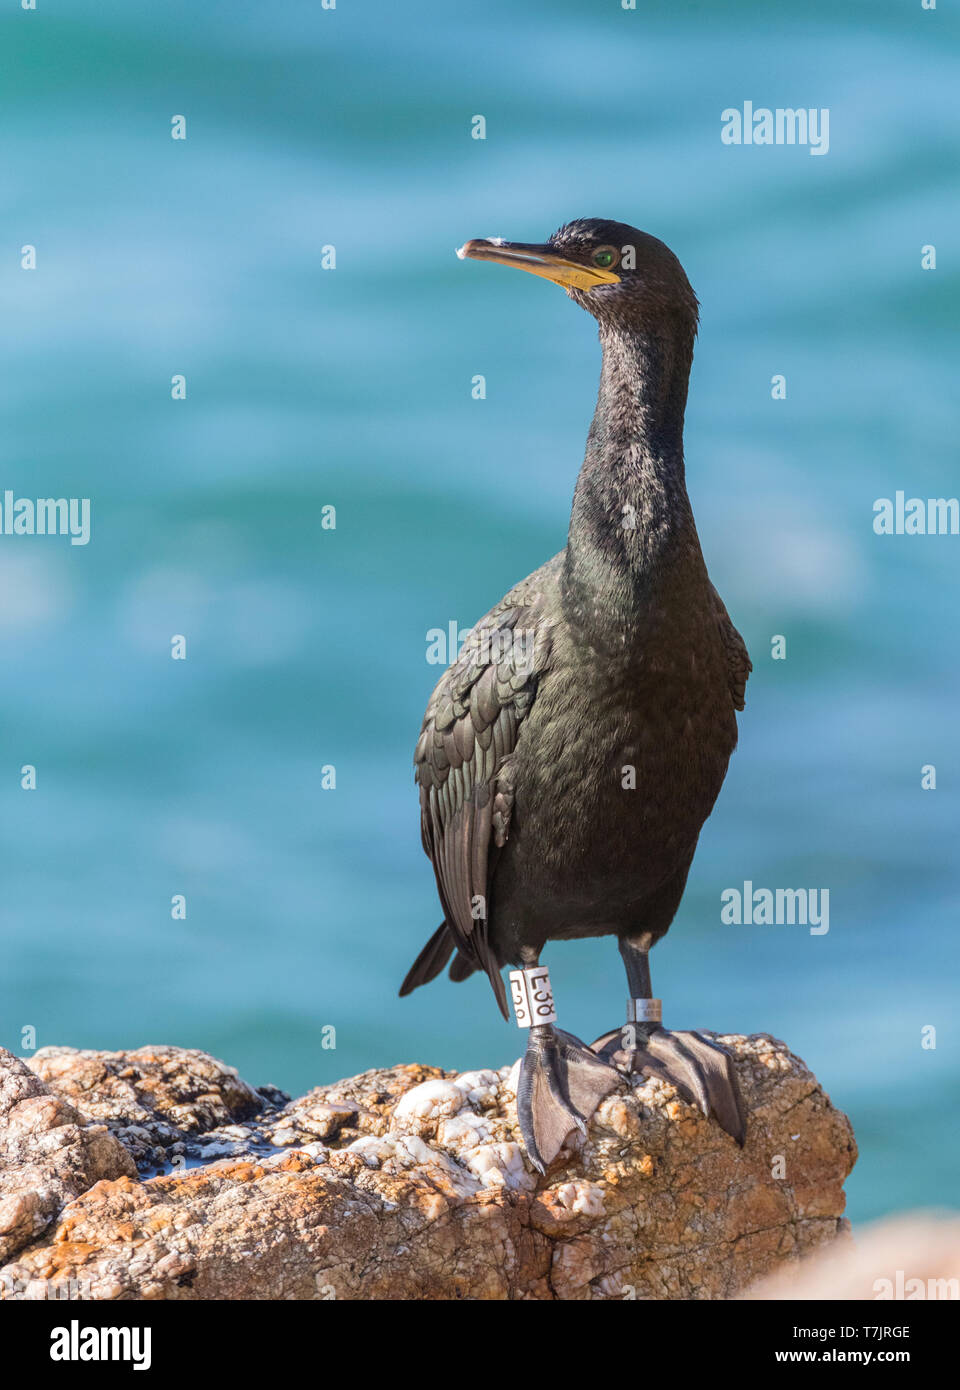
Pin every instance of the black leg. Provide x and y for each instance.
(701, 1069)
(636, 959)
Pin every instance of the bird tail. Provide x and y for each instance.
(433, 958)
(430, 961)
(461, 968)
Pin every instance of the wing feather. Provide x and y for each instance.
(738, 660)
(462, 760)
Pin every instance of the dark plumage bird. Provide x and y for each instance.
(571, 754)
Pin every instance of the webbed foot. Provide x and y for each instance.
(701, 1070)
(561, 1084)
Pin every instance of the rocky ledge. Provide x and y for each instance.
(160, 1174)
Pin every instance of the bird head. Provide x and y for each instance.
(624, 277)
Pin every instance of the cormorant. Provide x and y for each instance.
(570, 755)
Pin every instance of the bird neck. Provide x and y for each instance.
(631, 517)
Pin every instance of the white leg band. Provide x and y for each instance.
(532, 996)
(644, 1010)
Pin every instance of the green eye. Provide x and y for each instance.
(605, 257)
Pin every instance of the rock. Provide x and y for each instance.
(410, 1182)
(49, 1154)
(153, 1098)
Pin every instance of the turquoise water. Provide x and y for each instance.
(351, 387)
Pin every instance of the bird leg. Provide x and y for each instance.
(561, 1080)
(701, 1070)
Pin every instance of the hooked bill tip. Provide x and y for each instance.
(463, 253)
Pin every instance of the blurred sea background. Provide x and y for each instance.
(307, 647)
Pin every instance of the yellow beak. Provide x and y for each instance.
(538, 260)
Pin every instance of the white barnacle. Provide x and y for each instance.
(463, 1131)
(500, 1165)
(412, 1150)
(511, 1077)
(431, 1100)
(373, 1149)
(479, 1087)
(583, 1198)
